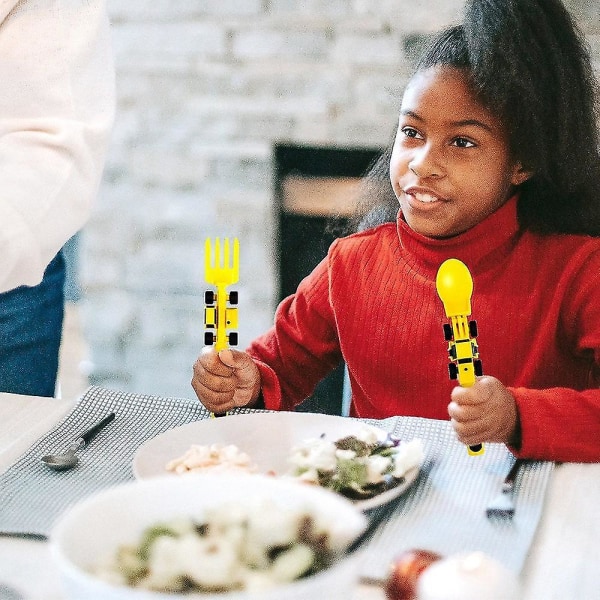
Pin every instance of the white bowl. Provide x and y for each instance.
(95, 527)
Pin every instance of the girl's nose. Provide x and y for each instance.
(425, 163)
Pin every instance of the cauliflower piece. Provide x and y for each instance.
(165, 570)
(368, 435)
(292, 564)
(309, 476)
(345, 454)
(257, 581)
(377, 466)
(269, 525)
(314, 454)
(409, 455)
(211, 562)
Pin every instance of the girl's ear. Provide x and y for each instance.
(520, 174)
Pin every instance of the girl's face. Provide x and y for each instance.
(450, 165)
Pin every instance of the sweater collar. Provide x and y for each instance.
(480, 247)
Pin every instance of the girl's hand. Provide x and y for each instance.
(225, 379)
(484, 412)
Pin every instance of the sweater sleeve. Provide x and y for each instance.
(56, 112)
(561, 423)
(302, 347)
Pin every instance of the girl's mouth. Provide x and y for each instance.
(424, 197)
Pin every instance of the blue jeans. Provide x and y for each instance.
(30, 332)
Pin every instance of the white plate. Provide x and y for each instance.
(266, 437)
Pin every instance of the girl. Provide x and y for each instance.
(496, 163)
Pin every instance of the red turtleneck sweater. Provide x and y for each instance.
(372, 301)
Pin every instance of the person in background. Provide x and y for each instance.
(495, 163)
(56, 114)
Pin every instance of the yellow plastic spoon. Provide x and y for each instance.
(454, 286)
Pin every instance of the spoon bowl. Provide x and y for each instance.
(62, 462)
(68, 460)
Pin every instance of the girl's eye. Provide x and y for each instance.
(462, 142)
(409, 132)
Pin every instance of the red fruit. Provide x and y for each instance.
(401, 583)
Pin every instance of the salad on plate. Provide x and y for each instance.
(357, 466)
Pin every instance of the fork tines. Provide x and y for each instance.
(503, 506)
(500, 511)
(220, 267)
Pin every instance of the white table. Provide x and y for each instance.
(564, 562)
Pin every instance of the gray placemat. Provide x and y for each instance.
(445, 509)
(32, 496)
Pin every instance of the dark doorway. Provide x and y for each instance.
(314, 188)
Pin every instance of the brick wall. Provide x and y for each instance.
(205, 89)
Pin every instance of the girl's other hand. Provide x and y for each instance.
(484, 412)
(226, 379)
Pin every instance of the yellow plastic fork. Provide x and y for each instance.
(221, 269)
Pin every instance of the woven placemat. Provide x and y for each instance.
(445, 509)
(32, 496)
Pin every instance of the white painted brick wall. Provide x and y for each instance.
(205, 89)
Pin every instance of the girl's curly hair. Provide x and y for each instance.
(528, 63)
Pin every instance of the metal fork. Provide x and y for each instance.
(503, 505)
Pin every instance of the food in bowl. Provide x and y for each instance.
(91, 532)
(357, 466)
(214, 457)
(237, 546)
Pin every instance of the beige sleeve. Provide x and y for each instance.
(56, 113)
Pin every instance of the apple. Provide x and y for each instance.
(401, 582)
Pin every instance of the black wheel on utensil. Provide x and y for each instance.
(233, 297)
(452, 371)
(478, 368)
(448, 332)
(473, 329)
(209, 338)
(209, 297)
(233, 339)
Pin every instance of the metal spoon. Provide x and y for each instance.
(67, 460)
